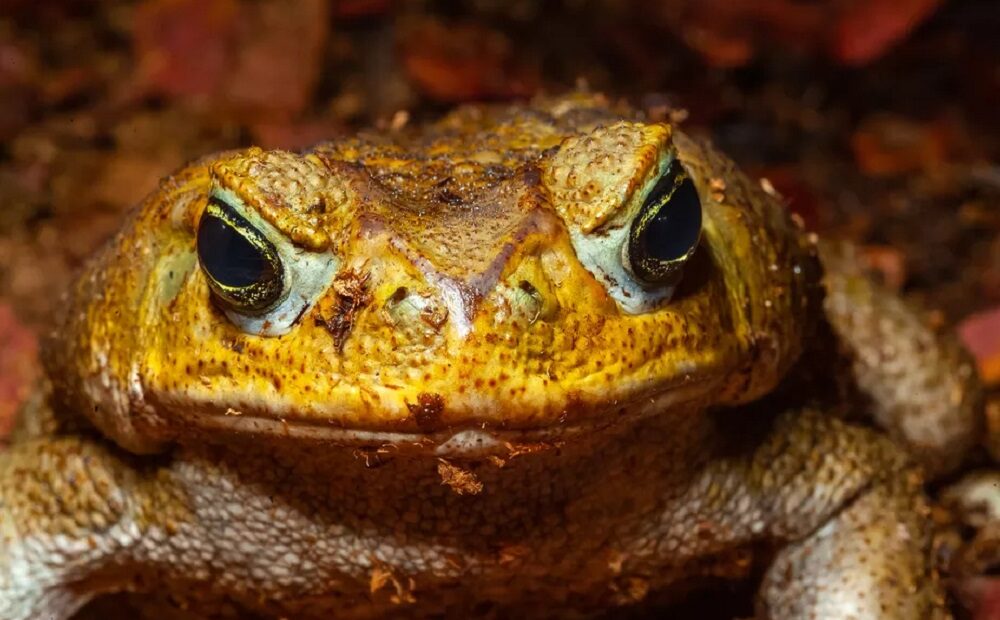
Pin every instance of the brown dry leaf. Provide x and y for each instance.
(259, 59)
(352, 9)
(127, 178)
(182, 46)
(294, 136)
(18, 366)
(993, 425)
(889, 262)
(18, 70)
(461, 481)
(464, 61)
(887, 145)
(726, 33)
(866, 29)
(37, 265)
(279, 57)
(18, 63)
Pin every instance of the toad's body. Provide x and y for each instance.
(450, 383)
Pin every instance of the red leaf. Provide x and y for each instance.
(867, 28)
(465, 61)
(980, 333)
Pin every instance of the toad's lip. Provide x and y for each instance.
(466, 441)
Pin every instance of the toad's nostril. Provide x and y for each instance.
(528, 302)
(398, 295)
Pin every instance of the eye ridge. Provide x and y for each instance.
(242, 266)
(667, 230)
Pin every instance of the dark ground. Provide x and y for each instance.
(877, 119)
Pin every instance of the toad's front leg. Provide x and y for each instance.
(71, 511)
(846, 512)
(869, 560)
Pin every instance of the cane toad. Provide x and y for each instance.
(549, 359)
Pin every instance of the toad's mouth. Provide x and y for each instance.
(472, 440)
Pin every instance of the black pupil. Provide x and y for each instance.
(228, 256)
(676, 227)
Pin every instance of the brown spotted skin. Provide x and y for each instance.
(468, 418)
(920, 384)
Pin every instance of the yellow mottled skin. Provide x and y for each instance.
(474, 413)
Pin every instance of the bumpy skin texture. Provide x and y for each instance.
(475, 413)
(921, 385)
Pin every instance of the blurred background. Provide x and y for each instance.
(878, 120)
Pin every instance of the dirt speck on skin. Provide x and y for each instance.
(384, 580)
(337, 312)
(461, 480)
(427, 411)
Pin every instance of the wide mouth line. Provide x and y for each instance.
(462, 438)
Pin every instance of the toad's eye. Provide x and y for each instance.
(243, 267)
(666, 231)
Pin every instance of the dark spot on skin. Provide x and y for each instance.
(338, 312)
(532, 176)
(450, 198)
(317, 207)
(373, 458)
(398, 295)
(427, 411)
(234, 345)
